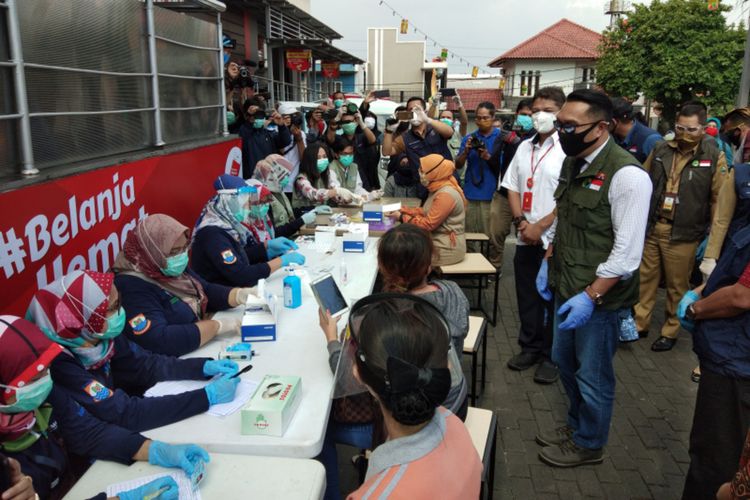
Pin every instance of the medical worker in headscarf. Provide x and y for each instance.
(443, 212)
(165, 302)
(102, 368)
(224, 250)
(274, 172)
(41, 427)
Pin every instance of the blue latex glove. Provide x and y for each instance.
(222, 390)
(701, 249)
(322, 209)
(280, 246)
(308, 217)
(292, 258)
(579, 309)
(541, 281)
(183, 456)
(687, 299)
(220, 367)
(152, 489)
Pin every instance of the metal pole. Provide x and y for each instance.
(158, 141)
(269, 54)
(22, 108)
(745, 80)
(224, 126)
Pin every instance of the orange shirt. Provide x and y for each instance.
(439, 461)
(441, 208)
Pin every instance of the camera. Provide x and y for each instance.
(331, 114)
(245, 80)
(477, 144)
(350, 108)
(297, 120)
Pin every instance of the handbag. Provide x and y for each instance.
(357, 409)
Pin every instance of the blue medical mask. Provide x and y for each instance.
(231, 118)
(447, 121)
(115, 324)
(322, 164)
(259, 123)
(349, 128)
(242, 214)
(226, 58)
(176, 264)
(346, 160)
(30, 396)
(89, 356)
(524, 122)
(338, 103)
(259, 211)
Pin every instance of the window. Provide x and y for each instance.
(338, 86)
(524, 88)
(536, 82)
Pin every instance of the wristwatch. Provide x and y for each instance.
(690, 313)
(518, 220)
(596, 298)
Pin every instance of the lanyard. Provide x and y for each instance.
(534, 168)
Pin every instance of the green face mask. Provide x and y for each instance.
(231, 118)
(30, 396)
(447, 121)
(346, 160)
(259, 123)
(338, 103)
(242, 215)
(285, 182)
(322, 164)
(259, 211)
(349, 128)
(176, 264)
(116, 322)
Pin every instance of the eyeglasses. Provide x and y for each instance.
(482, 118)
(569, 128)
(692, 130)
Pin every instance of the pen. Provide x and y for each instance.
(244, 370)
(156, 494)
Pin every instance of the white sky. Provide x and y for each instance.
(478, 30)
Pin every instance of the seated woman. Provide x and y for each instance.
(404, 181)
(316, 183)
(347, 172)
(401, 344)
(223, 249)
(42, 428)
(274, 173)
(165, 302)
(444, 211)
(82, 313)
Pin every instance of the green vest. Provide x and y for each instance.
(584, 236)
(691, 214)
(347, 176)
(281, 209)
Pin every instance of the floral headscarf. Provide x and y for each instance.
(222, 211)
(273, 171)
(261, 227)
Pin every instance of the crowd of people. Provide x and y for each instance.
(604, 209)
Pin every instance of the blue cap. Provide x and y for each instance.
(228, 43)
(226, 181)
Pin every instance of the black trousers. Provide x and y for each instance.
(720, 423)
(534, 312)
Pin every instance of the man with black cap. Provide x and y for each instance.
(635, 137)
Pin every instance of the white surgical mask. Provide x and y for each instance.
(544, 121)
(370, 122)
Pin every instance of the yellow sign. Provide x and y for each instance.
(474, 71)
(404, 26)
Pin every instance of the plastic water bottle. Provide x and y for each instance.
(628, 330)
(292, 289)
(343, 272)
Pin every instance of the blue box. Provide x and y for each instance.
(372, 216)
(258, 325)
(354, 246)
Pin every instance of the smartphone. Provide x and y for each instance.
(329, 296)
(381, 93)
(403, 116)
(447, 92)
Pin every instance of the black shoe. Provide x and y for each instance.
(523, 361)
(663, 344)
(643, 333)
(546, 372)
(555, 437)
(568, 454)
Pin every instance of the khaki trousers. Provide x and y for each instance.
(501, 220)
(477, 220)
(674, 261)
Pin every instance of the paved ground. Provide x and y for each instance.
(647, 452)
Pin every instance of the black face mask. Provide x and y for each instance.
(573, 144)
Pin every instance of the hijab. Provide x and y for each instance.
(439, 171)
(145, 252)
(261, 227)
(272, 171)
(221, 209)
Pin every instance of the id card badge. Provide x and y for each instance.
(669, 200)
(527, 197)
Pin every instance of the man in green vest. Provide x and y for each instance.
(687, 174)
(602, 200)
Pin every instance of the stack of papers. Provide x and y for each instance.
(244, 392)
(183, 483)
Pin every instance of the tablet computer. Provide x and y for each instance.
(329, 296)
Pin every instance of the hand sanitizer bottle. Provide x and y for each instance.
(292, 289)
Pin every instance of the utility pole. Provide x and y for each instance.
(745, 80)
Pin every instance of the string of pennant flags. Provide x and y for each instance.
(444, 53)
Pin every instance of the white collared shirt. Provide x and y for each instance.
(630, 197)
(549, 157)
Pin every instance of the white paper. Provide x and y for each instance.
(183, 484)
(391, 207)
(324, 240)
(244, 392)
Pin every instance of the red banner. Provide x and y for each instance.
(298, 60)
(330, 69)
(81, 221)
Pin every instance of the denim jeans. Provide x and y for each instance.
(584, 358)
(357, 435)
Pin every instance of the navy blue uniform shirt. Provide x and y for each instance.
(219, 258)
(257, 143)
(161, 322)
(101, 391)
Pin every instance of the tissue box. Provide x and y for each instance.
(272, 406)
(356, 238)
(372, 212)
(258, 323)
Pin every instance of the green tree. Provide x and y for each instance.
(673, 51)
